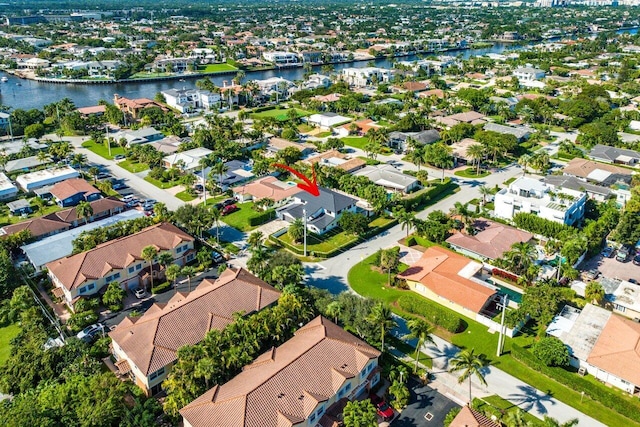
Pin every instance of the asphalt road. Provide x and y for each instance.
(424, 401)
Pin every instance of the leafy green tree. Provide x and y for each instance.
(552, 422)
(551, 351)
(354, 223)
(471, 364)
(594, 293)
(114, 296)
(360, 414)
(390, 260)
(35, 130)
(451, 415)
(400, 393)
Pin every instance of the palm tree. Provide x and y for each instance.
(215, 217)
(540, 161)
(524, 161)
(79, 159)
(476, 153)
(255, 239)
(172, 272)
(520, 257)
(165, 258)
(471, 364)
(381, 316)
(296, 230)
(421, 330)
(484, 192)
(334, 309)
(406, 220)
(416, 156)
(94, 172)
(148, 254)
(219, 168)
(188, 271)
(84, 210)
(42, 156)
(594, 293)
(516, 419)
(461, 210)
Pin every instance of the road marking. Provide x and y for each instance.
(428, 416)
(320, 266)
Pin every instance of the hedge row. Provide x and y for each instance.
(538, 225)
(422, 197)
(161, 287)
(265, 216)
(266, 108)
(432, 312)
(575, 382)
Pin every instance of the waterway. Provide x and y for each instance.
(33, 94)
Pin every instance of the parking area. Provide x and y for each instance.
(613, 269)
(427, 407)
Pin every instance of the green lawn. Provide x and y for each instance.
(102, 150)
(146, 75)
(6, 335)
(370, 283)
(497, 405)
(324, 134)
(279, 114)
(185, 196)
(216, 68)
(328, 242)
(240, 218)
(471, 173)
(355, 141)
(133, 167)
(160, 184)
(6, 218)
(304, 128)
(510, 180)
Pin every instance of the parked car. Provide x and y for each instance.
(607, 252)
(217, 256)
(150, 202)
(636, 259)
(384, 410)
(632, 280)
(592, 274)
(228, 202)
(89, 333)
(140, 293)
(622, 254)
(103, 175)
(119, 157)
(229, 209)
(199, 188)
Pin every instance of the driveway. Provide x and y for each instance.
(424, 401)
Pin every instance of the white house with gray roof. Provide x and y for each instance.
(389, 177)
(528, 195)
(323, 211)
(521, 132)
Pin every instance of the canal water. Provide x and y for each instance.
(26, 94)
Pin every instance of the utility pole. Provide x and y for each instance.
(204, 186)
(106, 128)
(304, 214)
(502, 326)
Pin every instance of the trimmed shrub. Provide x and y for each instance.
(538, 225)
(160, 288)
(551, 351)
(266, 216)
(432, 312)
(575, 382)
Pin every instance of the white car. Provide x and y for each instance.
(140, 293)
(90, 332)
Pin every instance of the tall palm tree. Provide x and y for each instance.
(516, 419)
(476, 153)
(520, 256)
(84, 210)
(406, 220)
(334, 309)
(80, 159)
(205, 162)
(421, 330)
(148, 254)
(215, 217)
(219, 168)
(416, 156)
(255, 239)
(484, 192)
(381, 316)
(462, 210)
(172, 272)
(524, 161)
(471, 364)
(165, 259)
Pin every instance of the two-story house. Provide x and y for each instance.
(305, 382)
(145, 348)
(187, 100)
(118, 260)
(367, 76)
(528, 74)
(529, 195)
(322, 211)
(73, 191)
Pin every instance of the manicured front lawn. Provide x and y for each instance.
(471, 173)
(185, 196)
(328, 242)
(355, 141)
(160, 184)
(240, 218)
(102, 150)
(370, 283)
(279, 114)
(6, 335)
(133, 167)
(216, 68)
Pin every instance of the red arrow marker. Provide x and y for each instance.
(309, 186)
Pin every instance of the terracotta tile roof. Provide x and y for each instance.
(617, 350)
(492, 240)
(352, 164)
(281, 144)
(469, 417)
(414, 86)
(583, 167)
(326, 155)
(439, 270)
(92, 110)
(332, 97)
(153, 340)
(99, 206)
(115, 254)
(364, 125)
(37, 227)
(438, 93)
(467, 116)
(267, 187)
(284, 385)
(70, 187)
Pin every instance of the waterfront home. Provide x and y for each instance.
(281, 58)
(133, 107)
(367, 76)
(188, 100)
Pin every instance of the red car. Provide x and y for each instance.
(383, 409)
(228, 209)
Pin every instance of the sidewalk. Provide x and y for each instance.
(499, 382)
